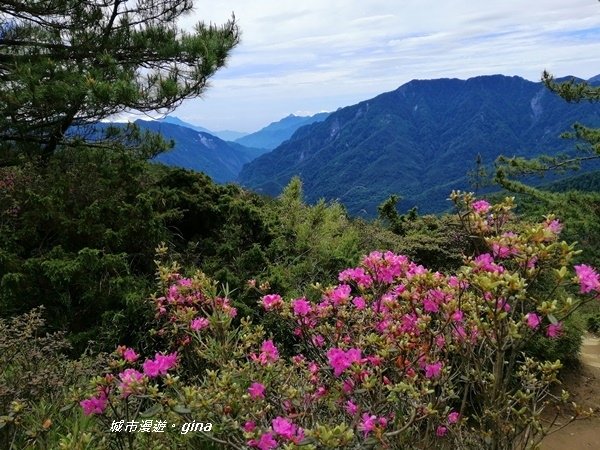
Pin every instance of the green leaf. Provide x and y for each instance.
(152, 411)
(181, 409)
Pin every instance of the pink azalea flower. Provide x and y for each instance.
(440, 341)
(94, 405)
(554, 330)
(348, 386)
(266, 442)
(249, 426)
(351, 408)
(501, 251)
(199, 323)
(284, 427)
(457, 315)
(533, 320)
(301, 307)
(554, 226)
(130, 355)
(485, 262)
(257, 390)
(453, 417)
(588, 278)
(160, 364)
(318, 340)
(129, 379)
(433, 370)
(359, 303)
(367, 424)
(340, 360)
(430, 305)
(441, 431)
(271, 301)
(358, 275)
(340, 294)
(268, 353)
(481, 206)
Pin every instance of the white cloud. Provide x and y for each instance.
(316, 55)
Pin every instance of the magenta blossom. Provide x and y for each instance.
(359, 303)
(367, 424)
(257, 390)
(486, 263)
(160, 364)
(268, 353)
(287, 430)
(130, 355)
(453, 417)
(94, 405)
(266, 442)
(588, 278)
(533, 320)
(129, 379)
(441, 431)
(553, 225)
(433, 370)
(199, 323)
(358, 275)
(554, 330)
(271, 301)
(351, 408)
(340, 360)
(301, 307)
(481, 206)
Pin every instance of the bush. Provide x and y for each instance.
(395, 355)
(36, 381)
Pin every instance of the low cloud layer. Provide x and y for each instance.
(315, 55)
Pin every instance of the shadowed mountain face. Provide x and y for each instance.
(418, 141)
(201, 151)
(277, 132)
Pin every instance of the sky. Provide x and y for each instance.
(304, 57)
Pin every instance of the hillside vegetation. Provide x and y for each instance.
(144, 306)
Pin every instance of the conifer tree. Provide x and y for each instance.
(74, 62)
(588, 139)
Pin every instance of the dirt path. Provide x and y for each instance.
(585, 390)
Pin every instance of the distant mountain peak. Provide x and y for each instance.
(277, 132)
(418, 141)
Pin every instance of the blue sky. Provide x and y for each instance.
(308, 56)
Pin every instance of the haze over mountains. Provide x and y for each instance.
(418, 141)
(203, 150)
(275, 133)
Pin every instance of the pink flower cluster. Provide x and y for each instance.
(130, 381)
(588, 278)
(485, 262)
(199, 323)
(481, 206)
(94, 405)
(160, 364)
(340, 360)
(271, 301)
(283, 429)
(268, 353)
(369, 422)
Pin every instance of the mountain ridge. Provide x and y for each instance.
(421, 138)
(277, 132)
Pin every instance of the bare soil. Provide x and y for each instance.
(583, 383)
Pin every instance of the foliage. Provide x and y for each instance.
(35, 381)
(393, 355)
(75, 62)
(418, 141)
